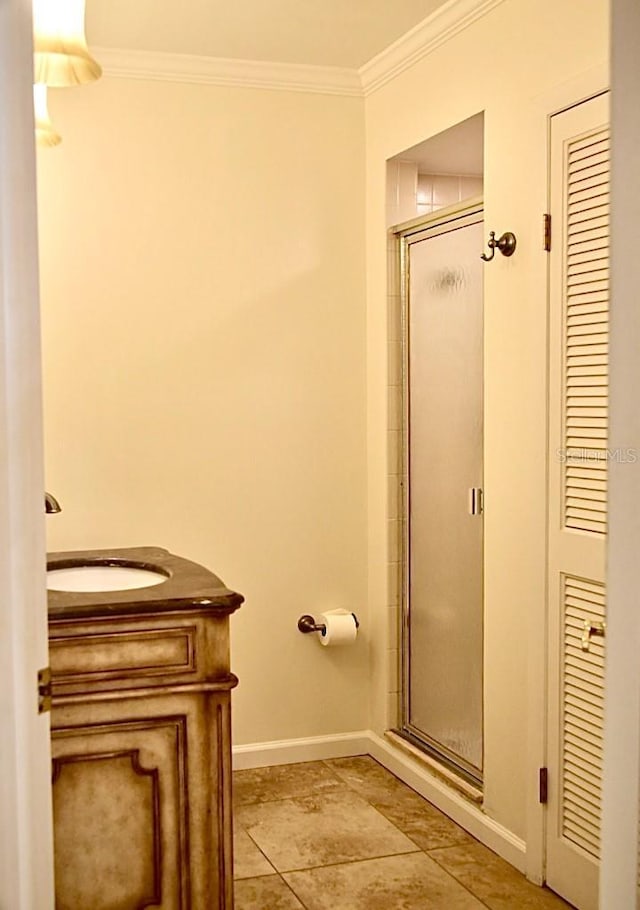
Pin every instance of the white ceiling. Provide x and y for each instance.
(458, 150)
(344, 33)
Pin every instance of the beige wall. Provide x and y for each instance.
(204, 351)
(508, 64)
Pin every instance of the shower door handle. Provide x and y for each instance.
(476, 501)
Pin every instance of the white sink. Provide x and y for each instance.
(102, 578)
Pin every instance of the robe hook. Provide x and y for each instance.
(506, 244)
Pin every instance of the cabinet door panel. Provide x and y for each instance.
(120, 815)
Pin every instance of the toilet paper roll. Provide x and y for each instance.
(341, 628)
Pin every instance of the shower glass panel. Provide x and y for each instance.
(443, 613)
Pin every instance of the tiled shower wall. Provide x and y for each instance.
(409, 195)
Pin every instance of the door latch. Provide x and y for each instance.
(44, 690)
(592, 627)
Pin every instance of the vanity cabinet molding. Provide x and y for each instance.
(104, 655)
(141, 745)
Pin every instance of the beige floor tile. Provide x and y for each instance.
(418, 819)
(248, 860)
(409, 882)
(260, 785)
(365, 775)
(267, 893)
(494, 881)
(332, 827)
(427, 827)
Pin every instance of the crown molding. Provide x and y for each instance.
(164, 67)
(442, 25)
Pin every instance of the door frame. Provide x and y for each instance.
(571, 865)
(26, 840)
(620, 813)
(620, 791)
(548, 104)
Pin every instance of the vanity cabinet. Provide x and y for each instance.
(141, 747)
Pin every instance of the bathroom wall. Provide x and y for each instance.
(402, 190)
(435, 191)
(411, 193)
(541, 51)
(202, 254)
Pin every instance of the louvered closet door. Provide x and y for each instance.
(579, 296)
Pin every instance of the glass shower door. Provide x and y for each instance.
(444, 552)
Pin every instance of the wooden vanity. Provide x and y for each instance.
(141, 739)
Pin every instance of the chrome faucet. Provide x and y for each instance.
(51, 504)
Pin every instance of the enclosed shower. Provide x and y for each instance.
(441, 318)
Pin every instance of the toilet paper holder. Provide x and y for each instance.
(308, 624)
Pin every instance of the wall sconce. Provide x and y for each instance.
(61, 57)
(46, 135)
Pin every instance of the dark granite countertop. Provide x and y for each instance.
(188, 585)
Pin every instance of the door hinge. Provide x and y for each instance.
(44, 690)
(547, 233)
(476, 501)
(543, 784)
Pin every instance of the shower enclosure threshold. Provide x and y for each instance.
(446, 770)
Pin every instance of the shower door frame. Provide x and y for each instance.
(466, 213)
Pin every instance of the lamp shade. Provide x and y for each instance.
(45, 131)
(61, 56)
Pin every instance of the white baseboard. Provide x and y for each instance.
(468, 815)
(365, 742)
(290, 751)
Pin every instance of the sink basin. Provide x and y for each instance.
(103, 577)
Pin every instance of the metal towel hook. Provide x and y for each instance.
(506, 244)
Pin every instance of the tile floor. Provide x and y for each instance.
(346, 834)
